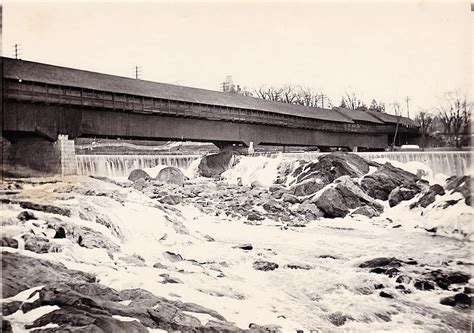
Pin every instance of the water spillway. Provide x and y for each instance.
(445, 162)
(448, 163)
(122, 165)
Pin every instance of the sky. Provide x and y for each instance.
(383, 50)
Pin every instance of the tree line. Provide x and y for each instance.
(307, 96)
(451, 117)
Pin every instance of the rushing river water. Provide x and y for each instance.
(318, 284)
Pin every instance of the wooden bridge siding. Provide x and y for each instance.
(50, 120)
(46, 120)
(133, 126)
(83, 97)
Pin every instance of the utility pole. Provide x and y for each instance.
(137, 72)
(408, 106)
(17, 51)
(322, 100)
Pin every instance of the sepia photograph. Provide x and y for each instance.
(236, 166)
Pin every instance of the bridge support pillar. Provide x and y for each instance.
(354, 149)
(40, 155)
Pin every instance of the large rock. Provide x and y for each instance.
(462, 185)
(400, 194)
(346, 195)
(382, 182)
(8, 242)
(86, 306)
(309, 210)
(332, 166)
(307, 187)
(138, 174)
(430, 196)
(214, 165)
(332, 203)
(170, 175)
(263, 265)
(313, 176)
(21, 273)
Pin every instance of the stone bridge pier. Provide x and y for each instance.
(36, 155)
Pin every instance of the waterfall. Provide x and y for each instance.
(446, 162)
(122, 165)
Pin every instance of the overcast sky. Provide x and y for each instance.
(383, 50)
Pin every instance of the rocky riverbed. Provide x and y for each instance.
(263, 245)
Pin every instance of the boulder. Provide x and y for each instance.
(366, 211)
(307, 187)
(8, 242)
(346, 195)
(290, 198)
(39, 244)
(44, 208)
(255, 216)
(262, 265)
(332, 166)
(214, 165)
(84, 236)
(332, 203)
(400, 194)
(246, 247)
(430, 196)
(381, 262)
(338, 318)
(26, 216)
(171, 199)
(273, 206)
(313, 176)
(170, 175)
(309, 210)
(22, 272)
(138, 174)
(462, 185)
(382, 182)
(444, 278)
(275, 188)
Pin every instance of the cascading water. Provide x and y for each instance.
(446, 162)
(122, 165)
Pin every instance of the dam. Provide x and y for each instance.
(446, 162)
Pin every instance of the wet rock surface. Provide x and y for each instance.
(138, 174)
(170, 175)
(214, 165)
(382, 182)
(86, 305)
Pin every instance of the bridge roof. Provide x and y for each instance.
(358, 115)
(39, 72)
(389, 118)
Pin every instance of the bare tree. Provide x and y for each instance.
(352, 101)
(294, 95)
(309, 97)
(425, 120)
(269, 93)
(375, 106)
(455, 115)
(289, 94)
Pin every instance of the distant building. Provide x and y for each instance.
(228, 86)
